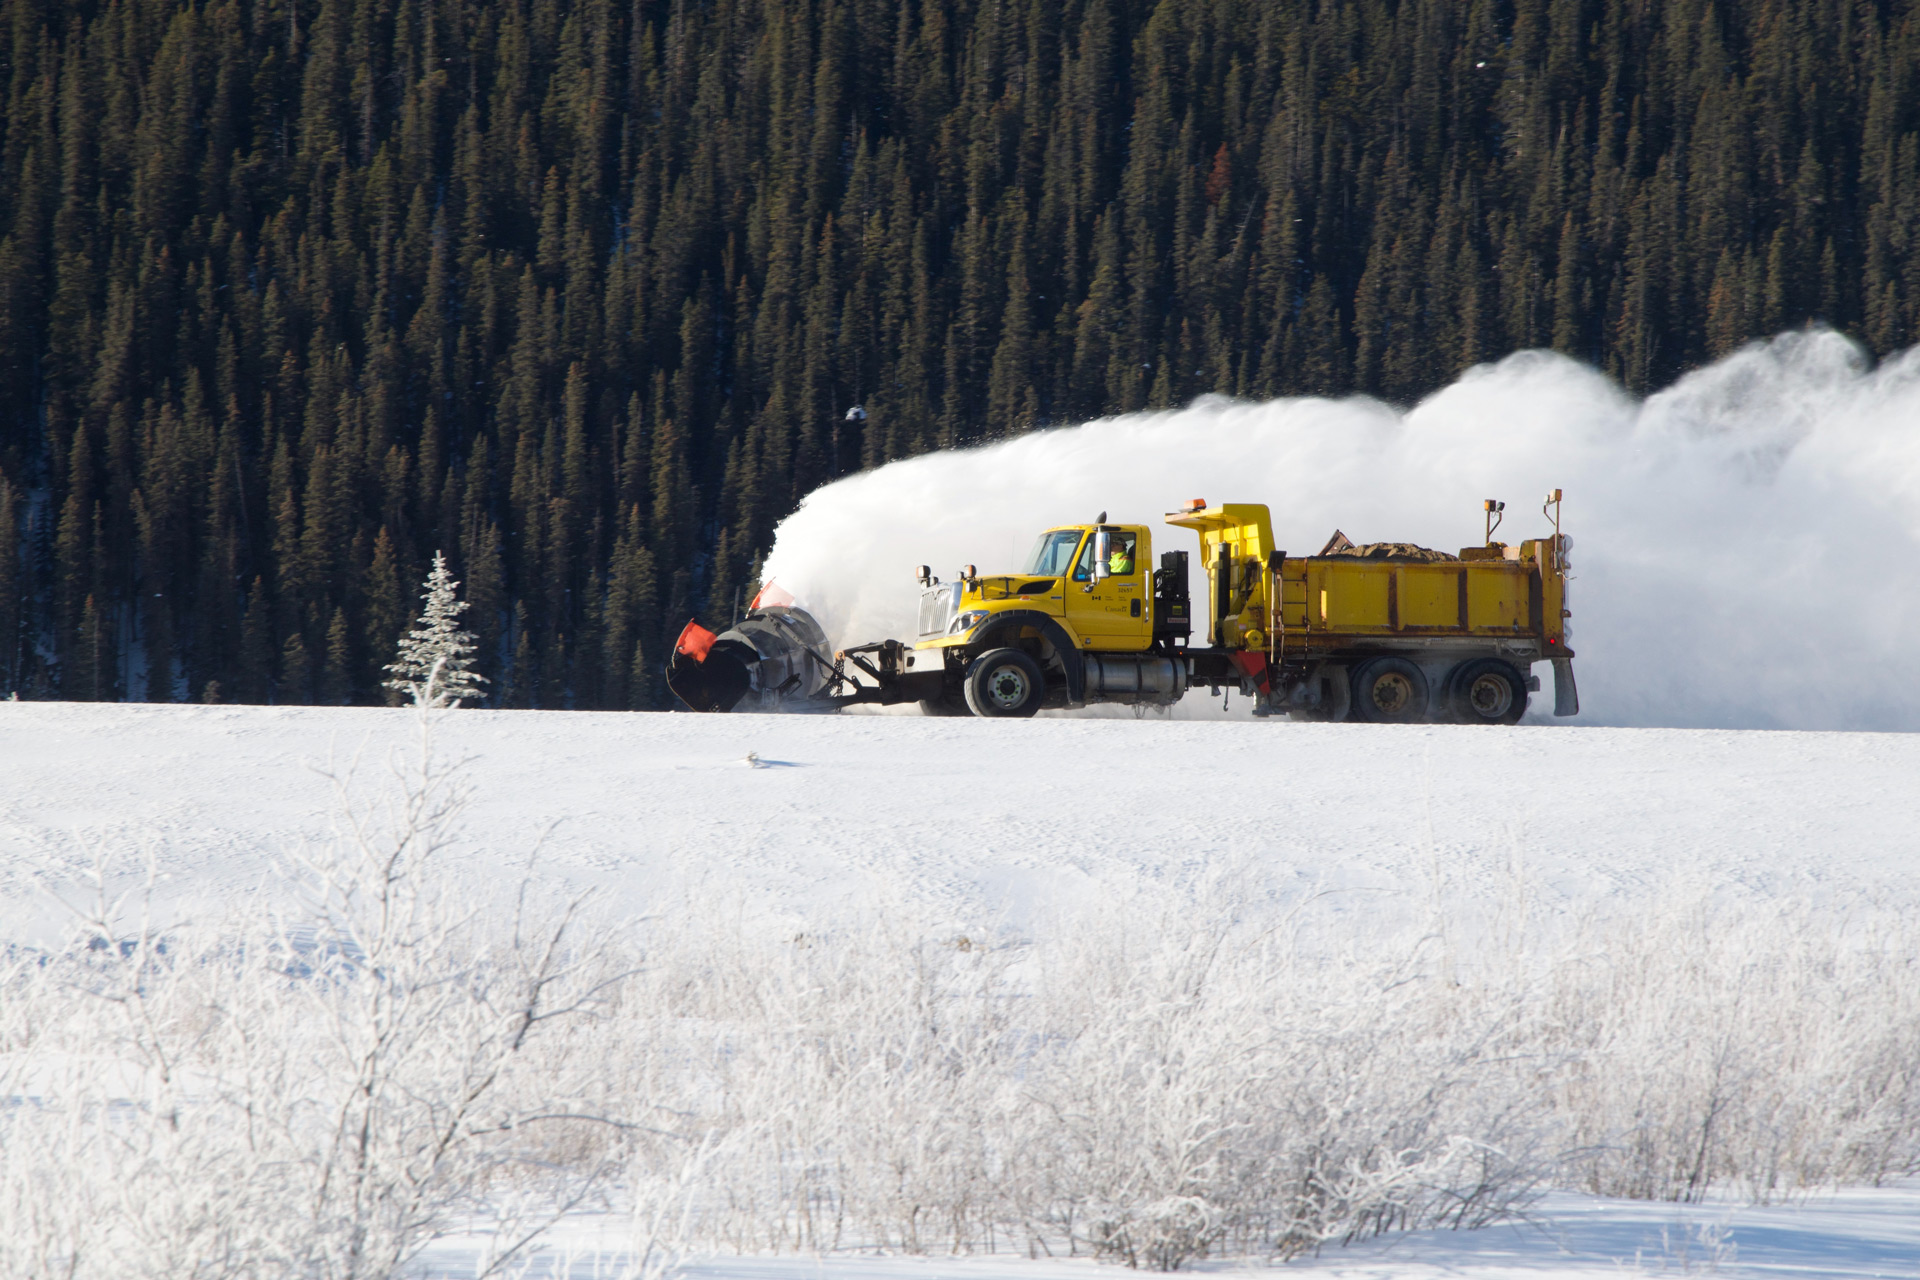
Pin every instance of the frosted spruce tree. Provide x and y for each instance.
(434, 664)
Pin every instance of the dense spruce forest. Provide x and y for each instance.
(294, 292)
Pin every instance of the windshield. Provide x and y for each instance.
(1053, 554)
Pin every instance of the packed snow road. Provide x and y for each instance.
(970, 816)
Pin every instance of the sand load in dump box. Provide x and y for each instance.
(774, 659)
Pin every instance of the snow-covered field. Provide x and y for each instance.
(976, 817)
(1012, 829)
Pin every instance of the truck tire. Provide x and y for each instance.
(1389, 690)
(1005, 683)
(1487, 691)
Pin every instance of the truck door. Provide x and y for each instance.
(1115, 611)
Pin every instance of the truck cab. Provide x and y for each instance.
(1086, 593)
(1094, 580)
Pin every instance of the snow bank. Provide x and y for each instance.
(1747, 541)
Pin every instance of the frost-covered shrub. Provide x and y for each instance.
(257, 1098)
(1772, 1046)
(1156, 1087)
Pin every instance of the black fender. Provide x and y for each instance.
(1049, 627)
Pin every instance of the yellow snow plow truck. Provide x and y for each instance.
(1385, 632)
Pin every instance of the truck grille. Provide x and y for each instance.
(936, 608)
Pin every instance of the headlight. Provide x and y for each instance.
(967, 621)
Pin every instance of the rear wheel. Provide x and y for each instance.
(1487, 691)
(1005, 683)
(1389, 691)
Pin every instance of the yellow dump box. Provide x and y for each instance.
(1387, 631)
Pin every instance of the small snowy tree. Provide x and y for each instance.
(434, 664)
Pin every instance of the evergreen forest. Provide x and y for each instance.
(294, 293)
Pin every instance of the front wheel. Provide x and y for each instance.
(1005, 683)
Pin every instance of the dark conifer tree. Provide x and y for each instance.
(295, 292)
(14, 600)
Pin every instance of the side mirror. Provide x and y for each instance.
(922, 574)
(1102, 551)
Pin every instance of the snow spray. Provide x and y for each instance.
(1746, 543)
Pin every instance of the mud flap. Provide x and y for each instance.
(1566, 695)
(1253, 665)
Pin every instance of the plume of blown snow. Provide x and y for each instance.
(1746, 542)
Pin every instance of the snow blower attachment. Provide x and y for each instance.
(774, 659)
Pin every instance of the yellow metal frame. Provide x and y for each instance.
(1245, 531)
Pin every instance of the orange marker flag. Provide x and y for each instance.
(694, 641)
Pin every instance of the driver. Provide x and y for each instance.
(1120, 559)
